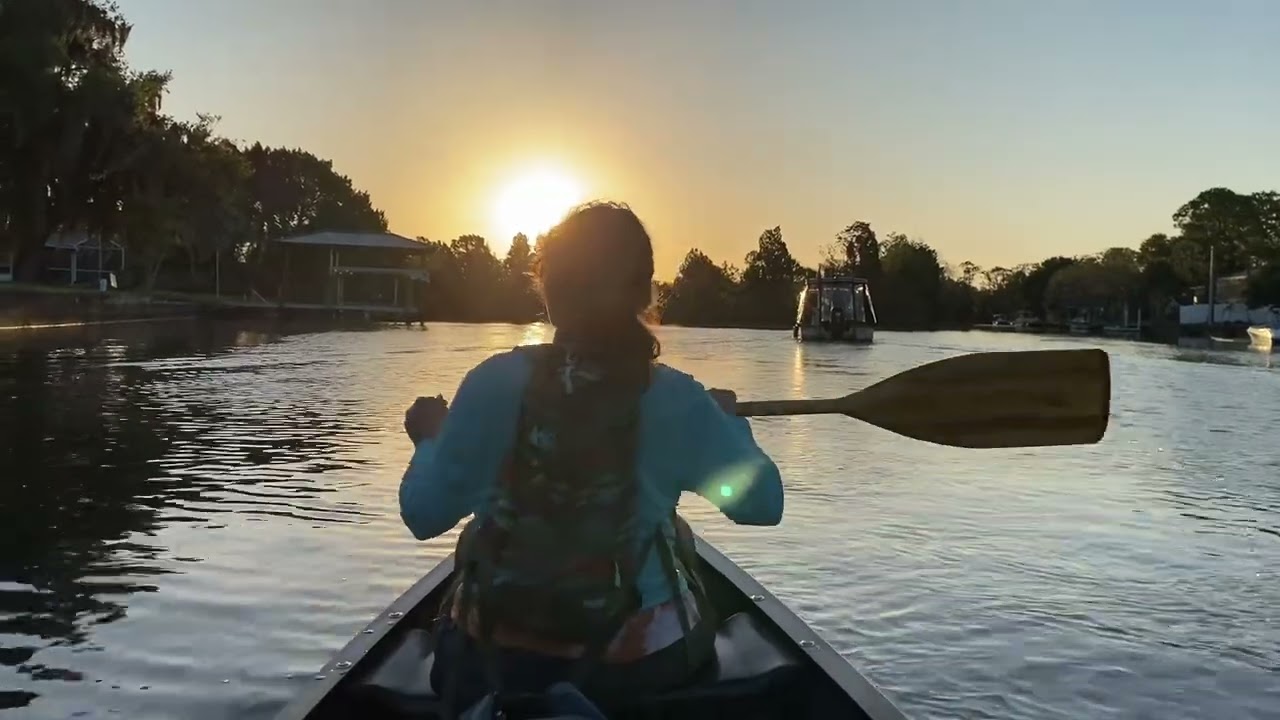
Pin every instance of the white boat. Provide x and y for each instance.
(1261, 336)
(835, 309)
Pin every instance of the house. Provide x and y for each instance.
(76, 258)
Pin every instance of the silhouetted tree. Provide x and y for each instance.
(520, 301)
(1230, 222)
(911, 283)
(702, 293)
(770, 281)
(856, 252)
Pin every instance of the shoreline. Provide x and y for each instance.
(93, 323)
(25, 307)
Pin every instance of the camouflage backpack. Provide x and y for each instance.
(557, 554)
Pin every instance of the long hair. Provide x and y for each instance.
(594, 271)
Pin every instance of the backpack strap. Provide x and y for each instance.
(460, 597)
(628, 562)
(477, 576)
(670, 560)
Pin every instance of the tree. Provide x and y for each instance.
(219, 211)
(770, 280)
(1162, 277)
(1267, 205)
(702, 293)
(1037, 281)
(771, 262)
(911, 282)
(153, 197)
(521, 302)
(294, 192)
(860, 249)
(1229, 222)
(445, 294)
(479, 276)
(1264, 286)
(180, 188)
(958, 302)
(969, 273)
(66, 98)
(1087, 285)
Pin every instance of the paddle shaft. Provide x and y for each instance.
(773, 408)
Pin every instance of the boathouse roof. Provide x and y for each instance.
(365, 240)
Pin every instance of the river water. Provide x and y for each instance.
(194, 517)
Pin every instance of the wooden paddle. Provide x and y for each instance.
(983, 400)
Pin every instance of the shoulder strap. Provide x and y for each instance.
(670, 561)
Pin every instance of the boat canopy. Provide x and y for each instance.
(841, 295)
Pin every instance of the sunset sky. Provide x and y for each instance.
(999, 131)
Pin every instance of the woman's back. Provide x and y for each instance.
(686, 443)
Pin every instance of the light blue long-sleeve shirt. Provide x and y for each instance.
(686, 443)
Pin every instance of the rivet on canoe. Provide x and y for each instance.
(758, 598)
(395, 615)
(807, 643)
(343, 665)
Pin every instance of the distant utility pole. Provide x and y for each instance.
(1213, 289)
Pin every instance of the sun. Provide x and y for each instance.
(533, 201)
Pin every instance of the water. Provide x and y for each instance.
(195, 518)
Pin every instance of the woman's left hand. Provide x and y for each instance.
(424, 417)
(726, 399)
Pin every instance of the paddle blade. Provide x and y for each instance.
(994, 400)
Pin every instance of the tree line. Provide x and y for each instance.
(912, 287)
(85, 146)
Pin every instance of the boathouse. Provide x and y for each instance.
(363, 272)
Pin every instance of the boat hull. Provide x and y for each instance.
(852, 334)
(769, 663)
(1261, 336)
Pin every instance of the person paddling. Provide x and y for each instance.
(572, 456)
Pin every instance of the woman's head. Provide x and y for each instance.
(595, 272)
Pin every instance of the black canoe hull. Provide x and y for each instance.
(769, 663)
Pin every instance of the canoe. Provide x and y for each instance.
(768, 663)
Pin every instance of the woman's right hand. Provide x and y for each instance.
(726, 399)
(423, 419)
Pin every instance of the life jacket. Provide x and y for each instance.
(559, 550)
